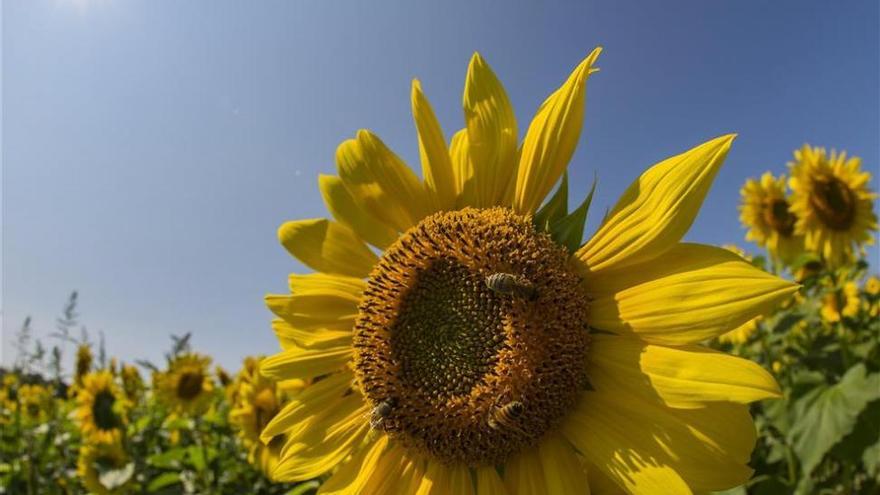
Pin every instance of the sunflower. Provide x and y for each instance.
(102, 408)
(742, 333)
(765, 212)
(95, 459)
(841, 303)
(254, 401)
(132, 383)
(832, 202)
(186, 386)
(872, 285)
(487, 350)
(35, 403)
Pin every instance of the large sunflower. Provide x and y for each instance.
(482, 354)
(765, 212)
(186, 387)
(102, 408)
(832, 202)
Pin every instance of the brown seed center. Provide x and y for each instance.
(778, 217)
(834, 203)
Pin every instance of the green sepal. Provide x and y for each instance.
(569, 230)
(555, 209)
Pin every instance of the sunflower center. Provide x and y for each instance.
(834, 203)
(778, 217)
(190, 385)
(102, 411)
(471, 338)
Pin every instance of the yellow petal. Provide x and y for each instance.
(648, 448)
(326, 443)
(436, 164)
(683, 377)
(305, 363)
(440, 479)
(291, 309)
(327, 246)
(463, 169)
(354, 475)
(380, 182)
(563, 472)
(491, 135)
(348, 212)
(552, 138)
(489, 482)
(291, 337)
(523, 474)
(689, 294)
(349, 288)
(656, 210)
(305, 406)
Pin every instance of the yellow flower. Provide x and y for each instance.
(102, 409)
(841, 303)
(95, 458)
(222, 376)
(742, 333)
(462, 360)
(35, 402)
(83, 362)
(255, 400)
(777, 367)
(185, 387)
(765, 212)
(832, 202)
(132, 383)
(872, 285)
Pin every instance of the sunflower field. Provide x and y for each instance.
(490, 349)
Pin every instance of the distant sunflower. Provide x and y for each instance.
(254, 401)
(742, 333)
(97, 458)
(83, 362)
(132, 383)
(186, 387)
(102, 408)
(35, 403)
(463, 359)
(872, 285)
(765, 212)
(841, 303)
(833, 203)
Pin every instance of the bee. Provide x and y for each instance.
(507, 417)
(380, 413)
(505, 283)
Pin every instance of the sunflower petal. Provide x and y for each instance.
(563, 472)
(552, 138)
(524, 475)
(463, 169)
(440, 479)
(436, 163)
(491, 134)
(648, 448)
(656, 210)
(327, 246)
(380, 182)
(291, 309)
(348, 212)
(689, 294)
(683, 377)
(305, 363)
(290, 337)
(489, 482)
(303, 407)
(354, 475)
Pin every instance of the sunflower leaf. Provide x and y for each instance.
(554, 209)
(569, 230)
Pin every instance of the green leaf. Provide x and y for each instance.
(114, 478)
(163, 480)
(304, 487)
(569, 230)
(168, 459)
(827, 414)
(555, 208)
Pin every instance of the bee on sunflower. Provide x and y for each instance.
(832, 202)
(765, 211)
(96, 461)
(102, 408)
(433, 381)
(186, 386)
(254, 401)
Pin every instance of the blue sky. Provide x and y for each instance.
(151, 148)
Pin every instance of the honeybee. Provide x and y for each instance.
(380, 413)
(506, 283)
(507, 417)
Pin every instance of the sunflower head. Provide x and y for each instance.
(765, 211)
(102, 408)
(83, 362)
(186, 387)
(872, 285)
(833, 203)
(132, 383)
(35, 402)
(95, 460)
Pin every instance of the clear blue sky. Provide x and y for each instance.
(151, 148)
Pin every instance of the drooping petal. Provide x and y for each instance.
(648, 448)
(491, 135)
(656, 210)
(305, 363)
(436, 163)
(348, 212)
(551, 138)
(354, 475)
(689, 294)
(687, 376)
(489, 482)
(380, 182)
(327, 246)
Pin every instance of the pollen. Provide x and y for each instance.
(471, 336)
